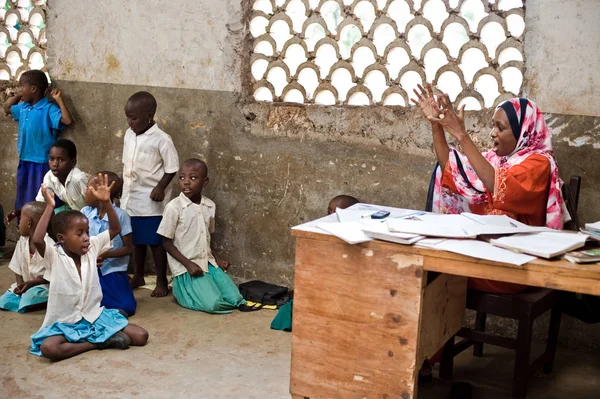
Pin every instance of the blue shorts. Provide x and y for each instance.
(144, 230)
(30, 176)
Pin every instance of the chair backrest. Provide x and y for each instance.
(570, 193)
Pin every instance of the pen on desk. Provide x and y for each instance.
(513, 225)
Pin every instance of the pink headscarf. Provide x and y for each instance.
(534, 138)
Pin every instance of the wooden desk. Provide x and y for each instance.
(365, 316)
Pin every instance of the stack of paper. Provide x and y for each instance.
(593, 226)
(589, 256)
(351, 232)
(545, 245)
(380, 231)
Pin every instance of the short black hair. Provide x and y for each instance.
(62, 220)
(68, 146)
(197, 162)
(113, 177)
(344, 201)
(36, 78)
(35, 209)
(143, 100)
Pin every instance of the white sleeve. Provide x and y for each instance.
(102, 242)
(168, 225)
(46, 182)
(51, 256)
(16, 262)
(169, 155)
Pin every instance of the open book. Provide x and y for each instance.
(593, 226)
(545, 245)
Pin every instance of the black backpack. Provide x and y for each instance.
(264, 293)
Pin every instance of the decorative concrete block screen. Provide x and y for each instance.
(22, 37)
(365, 52)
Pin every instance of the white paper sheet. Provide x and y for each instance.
(430, 229)
(353, 215)
(483, 250)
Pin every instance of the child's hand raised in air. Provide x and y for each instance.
(48, 196)
(56, 94)
(194, 270)
(102, 189)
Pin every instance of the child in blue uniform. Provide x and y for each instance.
(39, 122)
(112, 264)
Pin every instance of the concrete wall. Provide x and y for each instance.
(275, 166)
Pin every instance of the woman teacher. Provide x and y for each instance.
(518, 177)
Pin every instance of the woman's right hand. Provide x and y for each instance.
(426, 101)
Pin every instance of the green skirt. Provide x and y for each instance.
(214, 292)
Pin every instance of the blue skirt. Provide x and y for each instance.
(30, 176)
(19, 303)
(106, 325)
(144, 230)
(117, 293)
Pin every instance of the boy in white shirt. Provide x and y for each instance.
(200, 281)
(67, 181)
(30, 290)
(64, 179)
(149, 163)
(75, 322)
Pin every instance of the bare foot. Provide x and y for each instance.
(162, 289)
(135, 281)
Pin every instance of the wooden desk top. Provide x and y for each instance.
(555, 274)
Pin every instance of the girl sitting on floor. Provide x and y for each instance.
(75, 321)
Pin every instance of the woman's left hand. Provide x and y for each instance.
(452, 122)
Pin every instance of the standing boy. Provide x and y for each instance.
(149, 164)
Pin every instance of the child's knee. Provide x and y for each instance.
(138, 335)
(50, 349)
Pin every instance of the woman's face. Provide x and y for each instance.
(502, 134)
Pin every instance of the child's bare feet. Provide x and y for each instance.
(136, 281)
(162, 289)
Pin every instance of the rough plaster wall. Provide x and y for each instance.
(562, 57)
(184, 44)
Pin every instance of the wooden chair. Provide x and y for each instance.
(525, 308)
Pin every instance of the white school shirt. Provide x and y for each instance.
(70, 297)
(72, 193)
(189, 225)
(146, 158)
(27, 266)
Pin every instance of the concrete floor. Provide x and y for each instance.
(195, 355)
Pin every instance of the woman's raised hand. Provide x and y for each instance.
(426, 101)
(452, 122)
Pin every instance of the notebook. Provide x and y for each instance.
(588, 256)
(545, 245)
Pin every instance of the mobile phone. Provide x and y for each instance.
(380, 215)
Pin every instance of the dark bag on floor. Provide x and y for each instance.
(264, 293)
